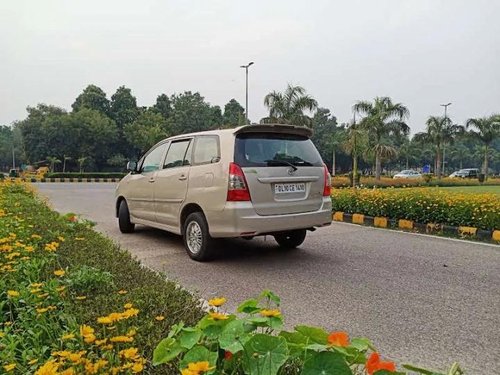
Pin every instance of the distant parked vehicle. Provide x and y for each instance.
(465, 173)
(408, 173)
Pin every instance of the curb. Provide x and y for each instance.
(410, 225)
(55, 180)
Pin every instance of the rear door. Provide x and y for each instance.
(284, 172)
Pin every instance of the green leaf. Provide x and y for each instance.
(264, 354)
(176, 328)
(421, 370)
(326, 363)
(296, 343)
(276, 322)
(271, 296)
(198, 354)
(234, 336)
(362, 344)
(249, 306)
(166, 350)
(315, 334)
(189, 337)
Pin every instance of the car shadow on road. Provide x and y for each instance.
(236, 250)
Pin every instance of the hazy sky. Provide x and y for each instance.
(419, 52)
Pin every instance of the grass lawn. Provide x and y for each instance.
(474, 189)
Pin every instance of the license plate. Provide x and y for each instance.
(289, 188)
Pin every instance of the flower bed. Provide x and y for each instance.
(369, 182)
(71, 301)
(423, 205)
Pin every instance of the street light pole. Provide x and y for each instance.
(445, 117)
(246, 89)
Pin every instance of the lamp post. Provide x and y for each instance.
(445, 117)
(246, 89)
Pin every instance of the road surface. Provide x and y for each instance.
(425, 300)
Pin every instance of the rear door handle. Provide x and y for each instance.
(182, 177)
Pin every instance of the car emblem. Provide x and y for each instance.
(291, 171)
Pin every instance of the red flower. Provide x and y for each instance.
(228, 355)
(338, 339)
(374, 364)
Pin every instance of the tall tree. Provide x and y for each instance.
(149, 128)
(92, 97)
(355, 144)
(327, 137)
(486, 129)
(190, 113)
(234, 114)
(163, 106)
(439, 131)
(382, 119)
(123, 107)
(289, 106)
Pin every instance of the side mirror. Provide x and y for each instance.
(132, 166)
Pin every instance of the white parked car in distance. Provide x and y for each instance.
(408, 173)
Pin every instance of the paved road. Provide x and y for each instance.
(421, 299)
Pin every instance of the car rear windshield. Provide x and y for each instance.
(275, 149)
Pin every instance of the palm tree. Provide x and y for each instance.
(355, 144)
(64, 162)
(338, 137)
(383, 119)
(459, 153)
(81, 162)
(439, 132)
(288, 107)
(486, 129)
(53, 161)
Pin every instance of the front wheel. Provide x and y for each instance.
(197, 240)
(291, 239)
(124, 218)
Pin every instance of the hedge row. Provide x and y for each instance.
(425, 205)
(370, 182)
(86, 175)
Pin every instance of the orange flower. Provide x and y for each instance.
(374, 364)
(338, 339)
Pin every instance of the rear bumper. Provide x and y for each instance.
(239, 219)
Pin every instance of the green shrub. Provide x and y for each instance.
(253, 342)
(87, 175)
(87, 279)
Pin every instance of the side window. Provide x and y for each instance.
(176, 154)
(206, 150)
(152, 160)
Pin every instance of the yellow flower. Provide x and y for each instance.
(270, 313)
(137, 367)
(104, 320)
(42, 310)
(121, 339)
(80, 298)
(13, 293)
(60, 288)
(89, 339)
(76, 357)
(122, 292)
(127, 306)
(216, 302)
(60, 238)
(59, 273)
(36, 285)
(33, 361)
(9, 367)
(86, 330)
(159, 318)
(101, 342)
(68, 371)
(130, 313)
(198, 367)
(36, 236)
(68, 336)
(129, 353)
(218, 316)
(79, 238)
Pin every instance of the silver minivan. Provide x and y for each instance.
(244, 182)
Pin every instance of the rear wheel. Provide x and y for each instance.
(290, 239)
(197, 240)
(124, 218)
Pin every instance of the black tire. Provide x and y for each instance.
(124, 218)
(197, 240)
(290, 239)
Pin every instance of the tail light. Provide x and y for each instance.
(237, 187)
(328, 183)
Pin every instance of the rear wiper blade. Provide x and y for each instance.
(280, 162)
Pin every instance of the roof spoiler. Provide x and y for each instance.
(275, 128)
